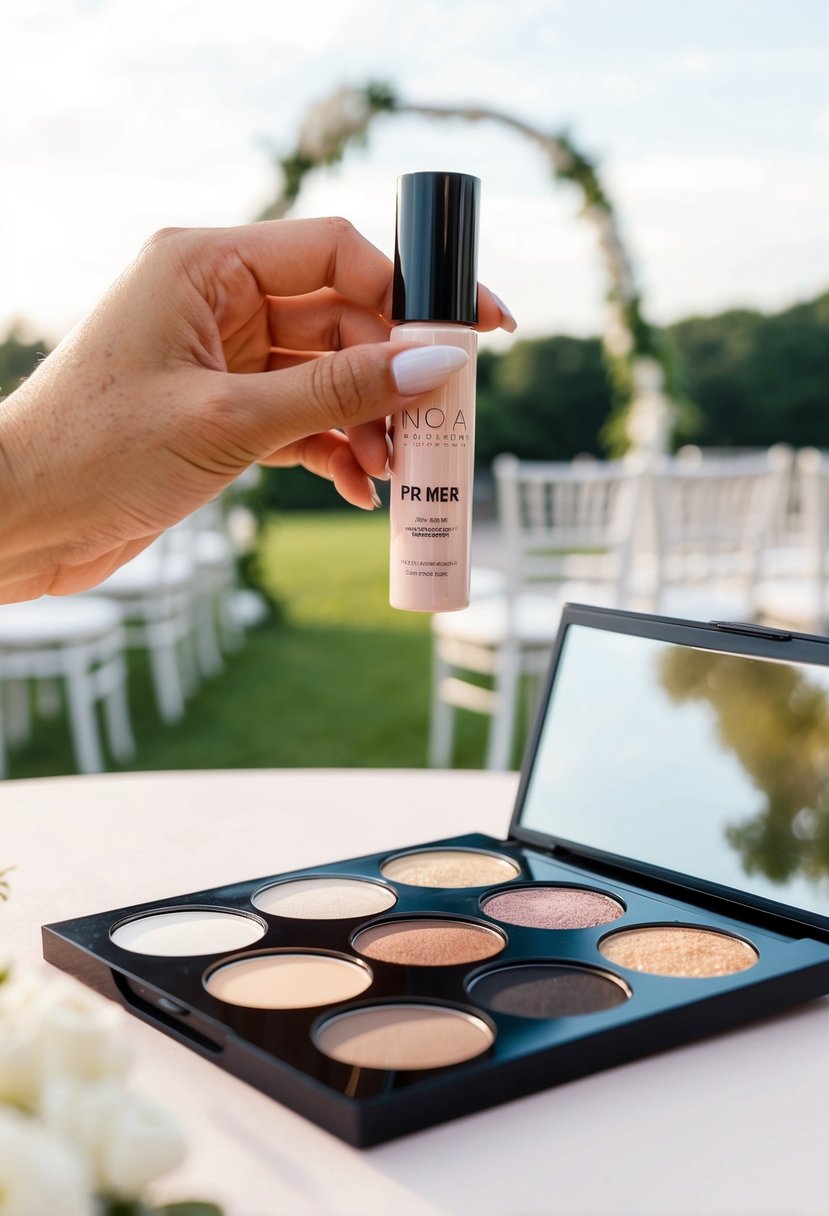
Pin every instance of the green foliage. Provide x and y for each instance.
(545, 399)
(757, 379)
(18, 359)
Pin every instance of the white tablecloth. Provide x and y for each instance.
(733, 1125)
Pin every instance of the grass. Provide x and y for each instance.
(337, 678)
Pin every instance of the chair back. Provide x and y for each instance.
(712, 518)
(813, 483)
(567, 521)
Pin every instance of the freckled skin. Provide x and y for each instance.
(203, 358)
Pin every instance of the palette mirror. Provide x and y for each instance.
(685, 760)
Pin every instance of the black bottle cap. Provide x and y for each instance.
(436, 248)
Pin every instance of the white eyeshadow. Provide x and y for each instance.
(185, 931)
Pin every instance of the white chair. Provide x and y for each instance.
(79, 641)
(155, 592)
(566, 534)
(793, 589)
(711, 521)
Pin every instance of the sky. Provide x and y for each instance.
(710, 124)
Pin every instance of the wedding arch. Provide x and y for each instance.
(638, 360)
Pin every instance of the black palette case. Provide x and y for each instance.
(664, 877)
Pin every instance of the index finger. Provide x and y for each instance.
(293, 257)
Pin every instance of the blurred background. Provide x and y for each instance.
(691, 144)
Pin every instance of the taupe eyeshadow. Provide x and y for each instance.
(682, 951)
(550, 907)
(430, 942)
(547, 990)
(450, 868)
(404, 1037)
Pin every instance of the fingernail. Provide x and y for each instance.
(375, 497)
(426, 367)
(386, 471)
(508, 321)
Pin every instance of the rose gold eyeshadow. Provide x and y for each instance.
(551, 907)
(430, 942)
(404, 1037)
(450, 868)
(682, 951)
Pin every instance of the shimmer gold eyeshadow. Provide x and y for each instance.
(681, 951)
(450, 868)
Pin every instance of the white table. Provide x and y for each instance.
(732, 1125)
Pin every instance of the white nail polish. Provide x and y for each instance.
(426, 367)
(509, 322)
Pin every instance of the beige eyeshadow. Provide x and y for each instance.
(429, 942)
(286, 980)
(450, 868)
(324, 897)
(404, 1037)
(678, 950)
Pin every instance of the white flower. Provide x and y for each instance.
(560, 158)
(648, 377)
(618, 339)
(39, 1173)
(54, 1029)
(127, 1140)
(79, 1035)
(330, 123)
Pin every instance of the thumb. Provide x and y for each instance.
(344, 389)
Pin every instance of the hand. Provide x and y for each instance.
(203, 358)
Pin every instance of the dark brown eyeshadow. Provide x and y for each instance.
(547, 990)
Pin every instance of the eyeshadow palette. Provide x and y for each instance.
(664, 877)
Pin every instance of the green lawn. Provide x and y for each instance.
(336, 678)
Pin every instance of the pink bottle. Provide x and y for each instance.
(435, 298)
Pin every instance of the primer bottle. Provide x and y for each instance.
(436, 299)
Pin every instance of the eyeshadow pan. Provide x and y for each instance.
(450, 868)
(404, 1037)
(551, 907)
(288, 980)
(678, 950)
(548, 990)
(177, 932)
(430, 942)
(324, 897)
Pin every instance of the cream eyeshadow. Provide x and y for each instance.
(178, 932)
(288, 980)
